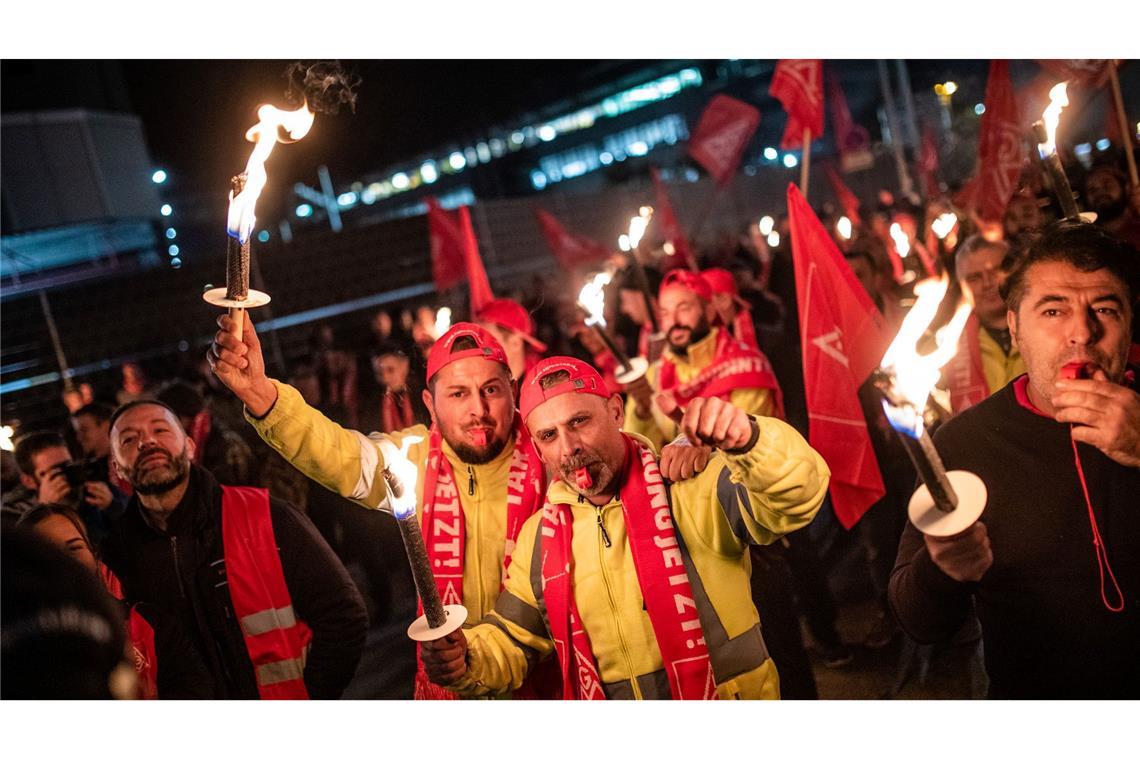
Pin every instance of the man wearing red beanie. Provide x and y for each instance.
(638, 588)
(701, 360)
(479, 476)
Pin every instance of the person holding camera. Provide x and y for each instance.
(47, 468)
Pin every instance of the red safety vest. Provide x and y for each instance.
(276, 640)
(140, 635)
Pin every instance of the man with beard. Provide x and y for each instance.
(479, 476)
(986, 359)
(638, 588)
(701, 360)
(270, 610)
(1053, 564)
(1116, 205)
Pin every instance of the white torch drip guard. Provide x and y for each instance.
(933, 521)
(419, 630)
(638, 366)
(217, 297)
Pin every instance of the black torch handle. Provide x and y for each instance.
(643, 285)
(931, 470)
(623, 360)
(421, 570)
(237, 255)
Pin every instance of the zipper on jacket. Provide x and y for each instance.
(602, 528)
(470, 481)
(616, 612)
(177, 569)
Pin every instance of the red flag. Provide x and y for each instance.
(670, 227)
(798, 85)
(455, 252)
(843, 338)
(570, 249)
(721, 136)
(1001, 150)
(1084, 72)
(851, 139)
(928, 164)
(843, 194)
(1112, 123)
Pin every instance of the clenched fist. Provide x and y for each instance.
(718, 424)
(681, 460)
(445, 660)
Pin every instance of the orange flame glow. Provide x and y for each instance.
(1058, 99)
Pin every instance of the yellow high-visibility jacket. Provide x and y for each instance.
(351, 464)
(998, 368)
(750, 498)
(658, 428)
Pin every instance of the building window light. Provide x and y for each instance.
(400, 181)
(483, 151)
(538, 180)
(790, 161)
(771, 153)
(638, 148)
(346, 199)
(497, 147)
(606, 158)
(457, 161)
(166, 209)
(304, 210)
(428, 172)
(546, 133)
(471, 156)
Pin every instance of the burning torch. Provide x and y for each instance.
(947, 502)
(400, 475)
(592, 300)
(629, 242)
(245, 189)
(1045, 132)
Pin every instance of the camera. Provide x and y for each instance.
(82, 471)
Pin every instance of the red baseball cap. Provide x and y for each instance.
(688, 279)
(583, 379)
(722, 281)
(486, 347)
(510, 315)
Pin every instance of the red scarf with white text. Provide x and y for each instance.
(444, 527)
(661, 575)
(734, 366)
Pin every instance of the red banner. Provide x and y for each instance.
(1083, 72)
(1001, 149)
(570, 249)
(843, 194)
(843, 338)
(851, 140)
(455, 252)
(721, 136)
(670, 227)
(928, 164)
(798, 85)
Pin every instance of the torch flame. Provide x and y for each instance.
(264, 135)
(902, 242)
(843, 227)
(592, 298)
(943, 225)
(914, 375)
(637, 226)
(1058, 99)
(6, 433)
(397, 463)
(442, 321)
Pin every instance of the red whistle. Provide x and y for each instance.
(1075, 371)
(480, 436)
(583, 477)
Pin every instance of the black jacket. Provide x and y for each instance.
(180, 574)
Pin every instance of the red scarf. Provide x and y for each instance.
(200, 433)
(661, 575)
(964, 373)
(743, 329)
(734, 366)
(445, 531)
(396, 411)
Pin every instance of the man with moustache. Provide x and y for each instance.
(268, 608)
(701, 359)
(1053, 564)
(479, 476)
(638, 588)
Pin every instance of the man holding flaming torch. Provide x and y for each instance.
(638, 588)
(477, 476)
(1053, 564)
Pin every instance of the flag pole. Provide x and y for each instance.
(1122, 122)
(805, 167)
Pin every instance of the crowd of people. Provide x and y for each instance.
(652, 538)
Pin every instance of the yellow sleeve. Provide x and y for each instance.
(502, 647)
(344, 461)
(756, 401)
(754, 497)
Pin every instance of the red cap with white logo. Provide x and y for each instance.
(583, 379)
(486, 347)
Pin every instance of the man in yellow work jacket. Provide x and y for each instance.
(701, 359)
(638, 588)
(479, 476)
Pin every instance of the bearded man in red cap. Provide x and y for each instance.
(513, 327)
(637, 587)
(479, 475)
(702, 360)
